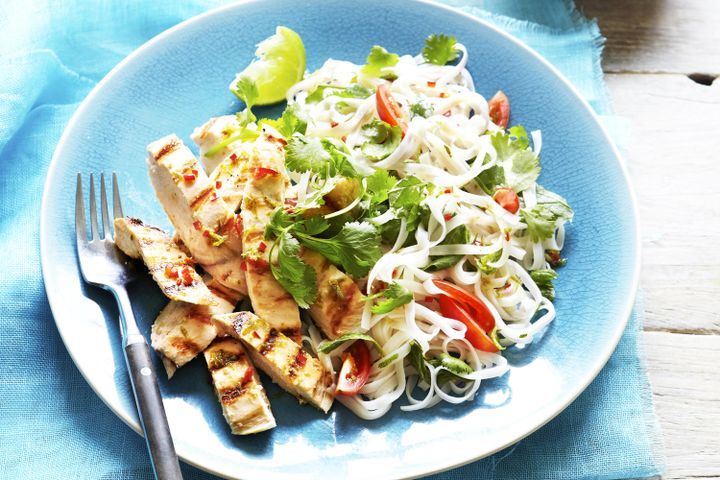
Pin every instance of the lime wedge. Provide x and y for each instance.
(279, 65)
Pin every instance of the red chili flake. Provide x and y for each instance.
(448, 190)
(443, 95)
(233, 157)
(195, 172)
(197, 225)
(446, 114)
(262, 172)
(448, 216)
(394, 274)
(213, 197)
(256, 334)
(301, 359)
(281, 141)
(206, 233)
(507, 236)
(178, 282)
(262, 246)
(218, 184)
(171, 272)
(243, 266)
(247, 376)
(187, 276)
(333, 124)
(344, 138)
(431, 84)
(258, 265)
(189, 177)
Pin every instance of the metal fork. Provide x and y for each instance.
(103, 265)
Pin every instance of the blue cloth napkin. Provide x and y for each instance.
(51, 423)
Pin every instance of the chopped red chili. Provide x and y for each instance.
(262, 172)
(171, 272)
(431, 84)
(197, 225)
(333, 124)
(258, 265)
(218, 184)
(233, 157)
(448, 216)
(189, 177)
(187, 276)
(262, 246)
(247, 376)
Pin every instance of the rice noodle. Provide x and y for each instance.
(449, 149)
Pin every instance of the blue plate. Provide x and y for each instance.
(179, 79)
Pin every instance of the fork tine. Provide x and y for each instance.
(104, 208)
(117, 206)
(93, 210)
(80, 232)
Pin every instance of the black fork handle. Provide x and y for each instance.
(151, 410)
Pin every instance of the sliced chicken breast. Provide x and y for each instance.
(264, 192)
(281, 358)
(173, 271)
(339, 304)
(209, 230)
(245, 405)
(183, 330)
(210, 134)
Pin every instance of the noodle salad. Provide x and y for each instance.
(408, 180)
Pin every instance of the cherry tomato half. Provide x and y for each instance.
(499, 109)
(388, 109)
(507, 198)
(355, 369)
(475, 334)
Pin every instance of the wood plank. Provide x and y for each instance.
(672, 153)
(683, 370)
(680, 36)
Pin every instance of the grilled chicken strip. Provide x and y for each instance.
(182, 330)
(202, 220)
(264, 192)
(170, 267)
(281, 358)
(244, 403)
(210, 134)
(339, 304)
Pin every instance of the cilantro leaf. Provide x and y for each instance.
(540, 222)
(383, 139)
(491, 178)
(520, 164)
(417, 360)
(440, 49)
(456, 236)
(450, 368)
(353, 91)
(395, 295)
(554, 202)
(289, 123)
(542, 218)
(405, 200)
(378, 59)
(246, 90)
(295, 276)
(421, 109)
(356, 248)
(320, 156)
(328, 346)
(378, 185)
(544, 278)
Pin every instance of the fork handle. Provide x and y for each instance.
(151, 410)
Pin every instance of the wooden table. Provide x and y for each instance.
(654, 50)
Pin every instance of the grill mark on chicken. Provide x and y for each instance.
(269, 343)
(231, 395)
(202, 196)
(186, 345)
(169, 147)
(298, 363)
(343, 307)
(230, 298)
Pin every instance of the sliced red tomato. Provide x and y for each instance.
(355, 369)
(388, 109)
(507, 198)
(499, 107)
(474, 305)
(475, 334)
